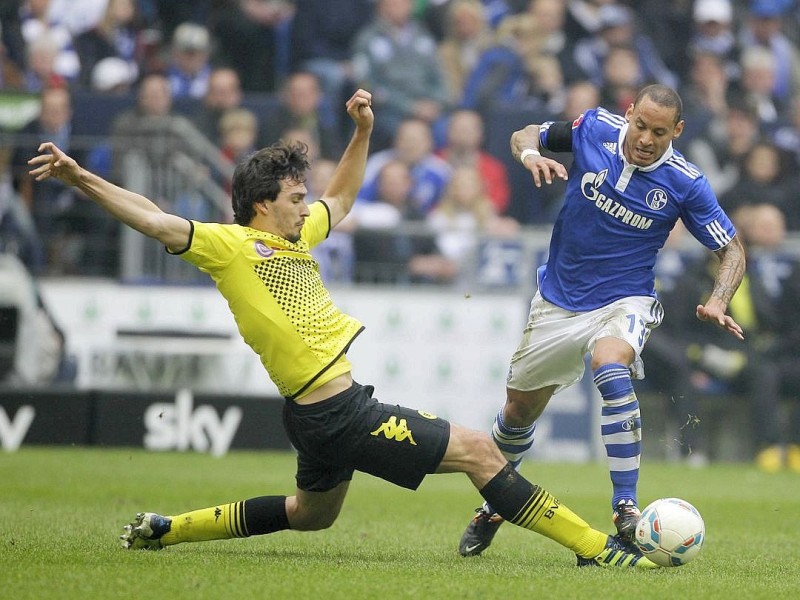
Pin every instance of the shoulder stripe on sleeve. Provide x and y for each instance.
(682, 165)
(718, 233)
(328, 211)
(610, 118)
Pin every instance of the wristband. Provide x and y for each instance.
(528, 152)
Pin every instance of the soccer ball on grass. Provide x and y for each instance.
(670, 532)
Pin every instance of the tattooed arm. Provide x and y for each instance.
(729, 276)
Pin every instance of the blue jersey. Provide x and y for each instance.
(617, 216)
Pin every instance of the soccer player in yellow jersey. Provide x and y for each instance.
(262, 265)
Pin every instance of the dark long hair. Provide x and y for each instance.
(258, 177)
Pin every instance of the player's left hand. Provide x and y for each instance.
(714, 314)
(359, 107)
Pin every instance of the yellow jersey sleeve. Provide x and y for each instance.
(317, 225)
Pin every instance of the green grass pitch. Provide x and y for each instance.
(62, 509)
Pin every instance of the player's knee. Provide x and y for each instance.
(311, 518)
(324, 521)
(314, 521)
(608, 354)
(483, 449)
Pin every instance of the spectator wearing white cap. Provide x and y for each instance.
(713, 33)
(189, 67)
(112, 75)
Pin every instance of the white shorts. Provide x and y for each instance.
(556, 340)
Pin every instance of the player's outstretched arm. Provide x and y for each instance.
(525, 149)
(349, 174)
(729, 276)
(134, 210)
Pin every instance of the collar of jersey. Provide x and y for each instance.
(282, 242)
(621, 144)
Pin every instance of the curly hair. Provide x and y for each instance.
(258, 177)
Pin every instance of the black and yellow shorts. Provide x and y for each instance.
(352, 431)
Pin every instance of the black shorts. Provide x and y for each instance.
(352, 431)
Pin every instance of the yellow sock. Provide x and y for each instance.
(544, 514)
(214, 523)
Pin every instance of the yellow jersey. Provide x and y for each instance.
(275, 292)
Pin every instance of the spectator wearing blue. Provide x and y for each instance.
(500, 71)
(189, 67)
(436, 13)
(466, 34)
(413, 146)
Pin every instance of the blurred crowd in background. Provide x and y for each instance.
(164, 97)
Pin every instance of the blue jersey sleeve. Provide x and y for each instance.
(704, 217)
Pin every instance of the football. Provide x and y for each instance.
(670, 532)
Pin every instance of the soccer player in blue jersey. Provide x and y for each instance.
(626, 189)
(263, 266)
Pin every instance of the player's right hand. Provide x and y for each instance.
(52, 162)
(545, 168)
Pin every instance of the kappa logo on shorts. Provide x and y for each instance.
(393, 430)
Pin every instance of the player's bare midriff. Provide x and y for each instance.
(331, 388)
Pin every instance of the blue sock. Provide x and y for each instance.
(621, 429)
(513, 442)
